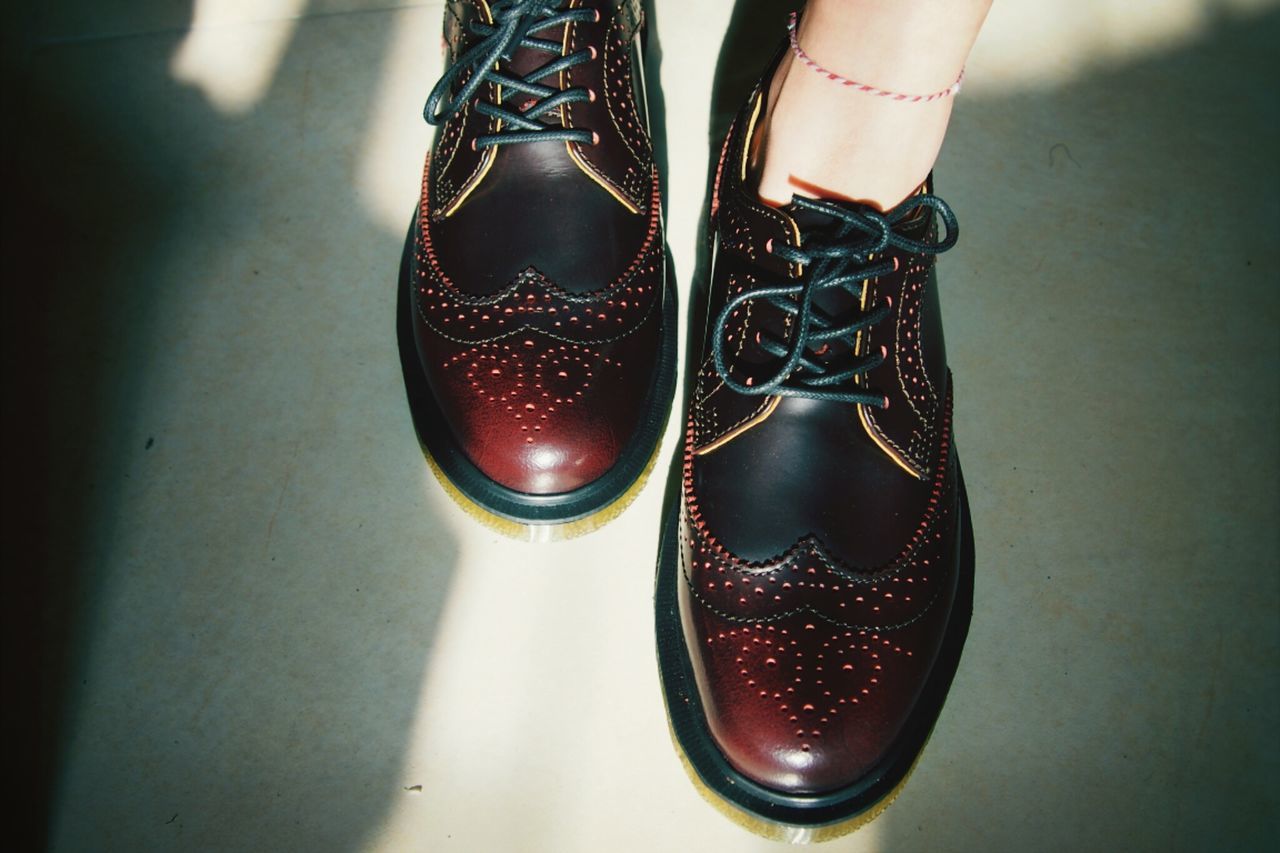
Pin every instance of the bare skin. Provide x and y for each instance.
(824, 140)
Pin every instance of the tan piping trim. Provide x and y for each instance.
(590, 173)
(749, 132)
(889, 451)
(863, 417)
(486, 162)
(729, 436)
(485, 165)
(576, 157)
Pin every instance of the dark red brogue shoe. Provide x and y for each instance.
(535, 270)
(815, 587)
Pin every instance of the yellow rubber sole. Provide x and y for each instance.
(544, 532)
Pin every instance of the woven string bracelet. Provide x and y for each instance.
(863, 87)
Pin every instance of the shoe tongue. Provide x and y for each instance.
(809, 220)
(522, 61)
(525, 61)
(836, 302)
(816, 225)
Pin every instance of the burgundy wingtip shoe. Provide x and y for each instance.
(815, 584)
(535, 275)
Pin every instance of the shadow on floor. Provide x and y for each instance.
(267, 652)
(1112, 317)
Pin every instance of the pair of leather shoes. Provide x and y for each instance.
(815, 576)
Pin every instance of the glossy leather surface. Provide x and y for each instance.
(537, 282)
(819, 539)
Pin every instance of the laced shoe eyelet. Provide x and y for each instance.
(595, 138)
(768, 246)
(591, 96)
(595, 16)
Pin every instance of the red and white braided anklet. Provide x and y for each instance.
(864, 87)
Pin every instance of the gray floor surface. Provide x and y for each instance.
(253, 621)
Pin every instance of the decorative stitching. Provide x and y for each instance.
(532, 329)
(777, 617)
(616, 23)
(455, 130)
(713, 432)
(602, 176)
(649, 250)
(809, 546)
(451, 136)
(906, 454)
(917, 447)
(533, 277)
(924, 373)
(912, 294)
(925, 525)
(915, 465)
(632, 193)
(742, 333)
(480, 161)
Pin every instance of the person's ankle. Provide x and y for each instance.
(827, 134)
(820, 140)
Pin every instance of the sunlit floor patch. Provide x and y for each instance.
(232, 54)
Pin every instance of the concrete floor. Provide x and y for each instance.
(245, 617)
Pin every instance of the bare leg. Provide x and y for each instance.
(822, 139)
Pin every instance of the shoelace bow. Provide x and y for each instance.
(853, 253)
(514, 22)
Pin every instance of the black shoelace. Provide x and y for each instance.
(852, 253)
(514, 23)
